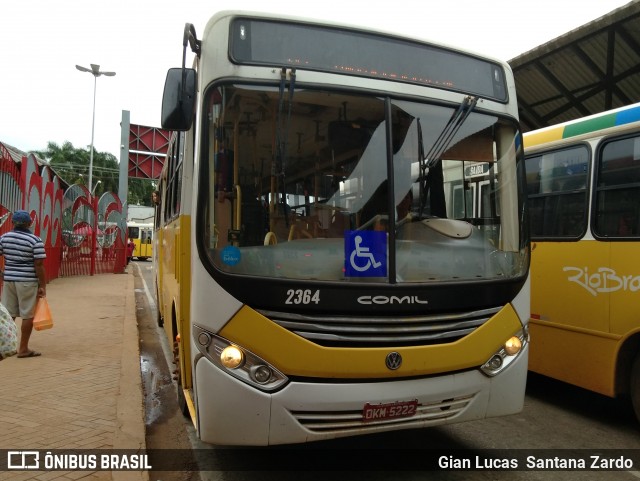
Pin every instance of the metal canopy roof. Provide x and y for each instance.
(588, 70)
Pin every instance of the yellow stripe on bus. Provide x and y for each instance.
(296, 356)
(542, 137)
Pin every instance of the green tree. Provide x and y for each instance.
(68, 162)
(72, 166)
(140, 191)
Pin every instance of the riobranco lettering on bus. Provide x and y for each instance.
(603, 280)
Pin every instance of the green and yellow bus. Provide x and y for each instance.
(583, 182)
(310, 266)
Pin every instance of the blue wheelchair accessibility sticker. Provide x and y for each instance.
(365, 253)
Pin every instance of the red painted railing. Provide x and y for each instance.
(82, 235)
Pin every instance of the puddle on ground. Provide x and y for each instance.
(156, 387)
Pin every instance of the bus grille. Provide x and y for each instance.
(345, 421)
(343, 331)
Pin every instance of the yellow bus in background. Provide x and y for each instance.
(583, 182)
(311, 269)
(142, 236)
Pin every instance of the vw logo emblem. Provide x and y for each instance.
(393, 360)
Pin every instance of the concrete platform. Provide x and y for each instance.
(85, 390)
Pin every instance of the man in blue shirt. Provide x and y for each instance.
(24, 275)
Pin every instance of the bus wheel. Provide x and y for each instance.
(182, 400)
(159, 318)
(182, 403)
(634, 388)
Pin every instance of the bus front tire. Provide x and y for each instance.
(182, 403)
(182, 400)
(634, 386)
(159, 318)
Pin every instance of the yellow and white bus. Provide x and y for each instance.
(583, 182)
(311, 268)
(142, 236)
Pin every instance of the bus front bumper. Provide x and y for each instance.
(231, 412)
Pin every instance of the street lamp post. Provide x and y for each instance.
(95, 71)
(93, 191)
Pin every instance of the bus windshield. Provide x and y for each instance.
(316, 184)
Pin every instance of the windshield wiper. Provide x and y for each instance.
(446, 136)
(428, 162)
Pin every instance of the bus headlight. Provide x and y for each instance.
(231, 357)
(238, 361)
(506, 354)
(513, 345)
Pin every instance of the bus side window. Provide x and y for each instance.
(557, 183)
(618, 207)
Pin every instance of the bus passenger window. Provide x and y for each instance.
(617, 205)
(557, 182)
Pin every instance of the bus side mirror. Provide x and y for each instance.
(178, 99)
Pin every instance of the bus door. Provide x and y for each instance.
(146, 243)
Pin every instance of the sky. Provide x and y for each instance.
(44, 98)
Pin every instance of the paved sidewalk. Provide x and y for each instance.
(85, 391)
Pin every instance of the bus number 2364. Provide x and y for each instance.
(302, 296)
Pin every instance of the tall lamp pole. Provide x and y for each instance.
(95, 71)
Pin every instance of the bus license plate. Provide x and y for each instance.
(399, 409)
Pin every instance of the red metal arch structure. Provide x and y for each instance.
(67, 218)
(26, 182)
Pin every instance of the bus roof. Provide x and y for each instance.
(586, 125)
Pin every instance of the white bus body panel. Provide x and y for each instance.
(211, 305)
(231, 412)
